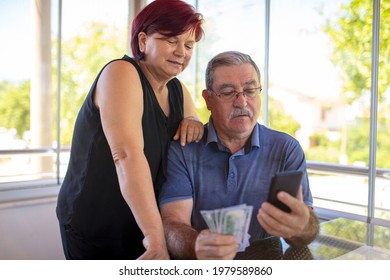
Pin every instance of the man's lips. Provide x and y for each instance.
(238, 116)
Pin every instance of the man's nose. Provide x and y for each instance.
(240, 100)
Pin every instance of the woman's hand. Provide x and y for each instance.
(190, 129)
(155, 249)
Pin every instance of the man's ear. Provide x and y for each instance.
(206, 97)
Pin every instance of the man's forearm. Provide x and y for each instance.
(180, 240)
(309, 234)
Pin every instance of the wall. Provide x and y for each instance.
(29, 228)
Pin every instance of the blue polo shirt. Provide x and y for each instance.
(209, 174)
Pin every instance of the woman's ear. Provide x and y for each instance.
(142, 41)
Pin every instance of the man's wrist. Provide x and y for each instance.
(309, 233)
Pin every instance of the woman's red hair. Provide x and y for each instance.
(168, 17)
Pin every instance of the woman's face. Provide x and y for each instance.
(167, 56)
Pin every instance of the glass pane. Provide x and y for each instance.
(93, 32)
(229, 25)
(340, 192)
(320, 58)
(382, 184)
(26, 91)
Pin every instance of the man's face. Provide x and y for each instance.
(235, 118)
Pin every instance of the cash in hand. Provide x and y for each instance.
(232, 220)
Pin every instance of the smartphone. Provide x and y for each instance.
(288, 181)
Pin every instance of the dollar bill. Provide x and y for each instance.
(232, 220)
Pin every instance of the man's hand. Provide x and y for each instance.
(298, 228)
(213, 246)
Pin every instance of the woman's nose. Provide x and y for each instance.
(180, 50)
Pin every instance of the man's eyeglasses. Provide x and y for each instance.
(231, 95)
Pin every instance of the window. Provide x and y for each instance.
(320, 73)
(319, 84)
(92, 33)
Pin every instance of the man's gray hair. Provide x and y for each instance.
(229, 58)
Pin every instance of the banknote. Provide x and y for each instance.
(233, 220)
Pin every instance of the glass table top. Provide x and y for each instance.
(338, 239)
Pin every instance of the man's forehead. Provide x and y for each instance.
(244, 74)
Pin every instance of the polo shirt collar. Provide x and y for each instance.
(253, 143)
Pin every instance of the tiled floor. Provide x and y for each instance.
(366, 253)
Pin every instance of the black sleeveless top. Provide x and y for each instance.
(90, 199)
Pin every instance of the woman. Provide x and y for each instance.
(106, 205)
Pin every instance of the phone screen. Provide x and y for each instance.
(288, 181)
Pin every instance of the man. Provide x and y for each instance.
(233, 164)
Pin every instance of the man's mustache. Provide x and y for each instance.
(240, 112)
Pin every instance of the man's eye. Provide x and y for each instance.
(228, 93)
(250, 91)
